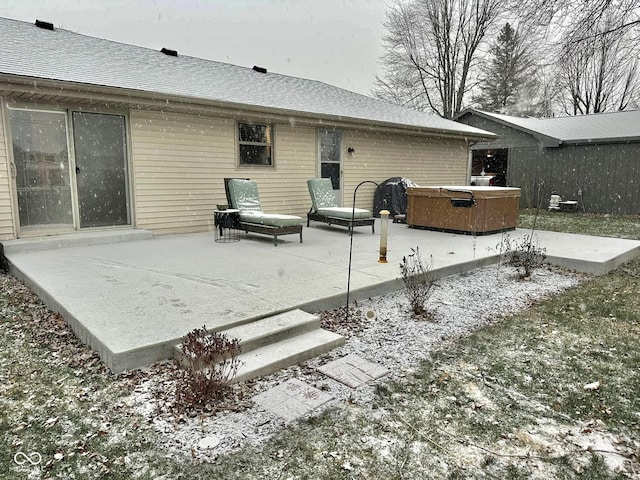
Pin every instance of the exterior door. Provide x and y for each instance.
(331, 159)
(101, 175)
(43, 177)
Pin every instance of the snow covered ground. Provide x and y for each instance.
(382, 330)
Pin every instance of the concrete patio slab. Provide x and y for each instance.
(292, 399)
(353, 370)
(131, 301)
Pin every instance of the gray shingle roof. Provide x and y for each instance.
(598, 127)
(63, 55)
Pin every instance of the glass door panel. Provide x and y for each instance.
(331, 159)
(41, 156)
(101, 174)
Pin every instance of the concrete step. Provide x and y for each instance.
(272, 329)
(279, 341)
(287, 352)
(32, 244)
(268, 330)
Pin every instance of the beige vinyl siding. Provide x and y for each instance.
(426, 161)
(178, 163)
(283, 188)
(180, 159)
(6, 212)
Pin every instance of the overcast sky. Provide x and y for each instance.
(334, 41)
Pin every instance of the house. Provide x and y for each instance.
(591, 159)
(96, 134)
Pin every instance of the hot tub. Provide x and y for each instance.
(463, 209)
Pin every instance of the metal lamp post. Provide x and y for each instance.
(353, 214)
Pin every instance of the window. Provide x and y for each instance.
(255, 144)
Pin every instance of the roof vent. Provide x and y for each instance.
(259, 69)
(171, 53)
(45, 25)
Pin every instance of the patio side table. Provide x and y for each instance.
(226, 223)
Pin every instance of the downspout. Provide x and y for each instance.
(469, 161)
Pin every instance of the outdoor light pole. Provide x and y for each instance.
(353, 214)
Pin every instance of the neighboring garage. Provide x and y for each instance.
(591, 159)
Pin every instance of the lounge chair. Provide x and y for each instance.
(324, 207)
(242, 194)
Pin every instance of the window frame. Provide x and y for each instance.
(239, 143)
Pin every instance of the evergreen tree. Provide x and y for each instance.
(507, 84)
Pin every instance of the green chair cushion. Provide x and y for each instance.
(323, 200)
(244, 195)
(321, 192)
(270, 219)
(344, 212)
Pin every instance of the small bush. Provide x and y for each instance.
(418, 280)
(523, 254)
(209, 362)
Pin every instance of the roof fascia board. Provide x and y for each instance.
(601, 141)
(545, 140)
(186, 104)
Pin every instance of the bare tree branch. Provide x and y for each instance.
(599, 71)
(587, 52)
(435, 43)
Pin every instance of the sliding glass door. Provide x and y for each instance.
(60, 190)
(43, 177)
(101, 175)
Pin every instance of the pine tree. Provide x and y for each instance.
(508, 81)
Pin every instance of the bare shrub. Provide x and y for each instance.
(209, 362)
(418, 280)
(524, 254)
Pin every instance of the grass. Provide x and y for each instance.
(58, 400)
(620, 226)
(507, 402)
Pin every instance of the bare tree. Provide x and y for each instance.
(586, 52)
(592, 50)
(575, 17)
(430, 51)
(548, 93)
(599, 69)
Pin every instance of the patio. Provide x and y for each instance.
(134, 299)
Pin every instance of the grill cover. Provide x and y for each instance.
(392, 195)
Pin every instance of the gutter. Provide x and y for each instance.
(601, 141)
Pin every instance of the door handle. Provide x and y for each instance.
(13, 170)
(77, 169)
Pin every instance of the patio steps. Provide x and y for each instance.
(279, 341)
(81, 239)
